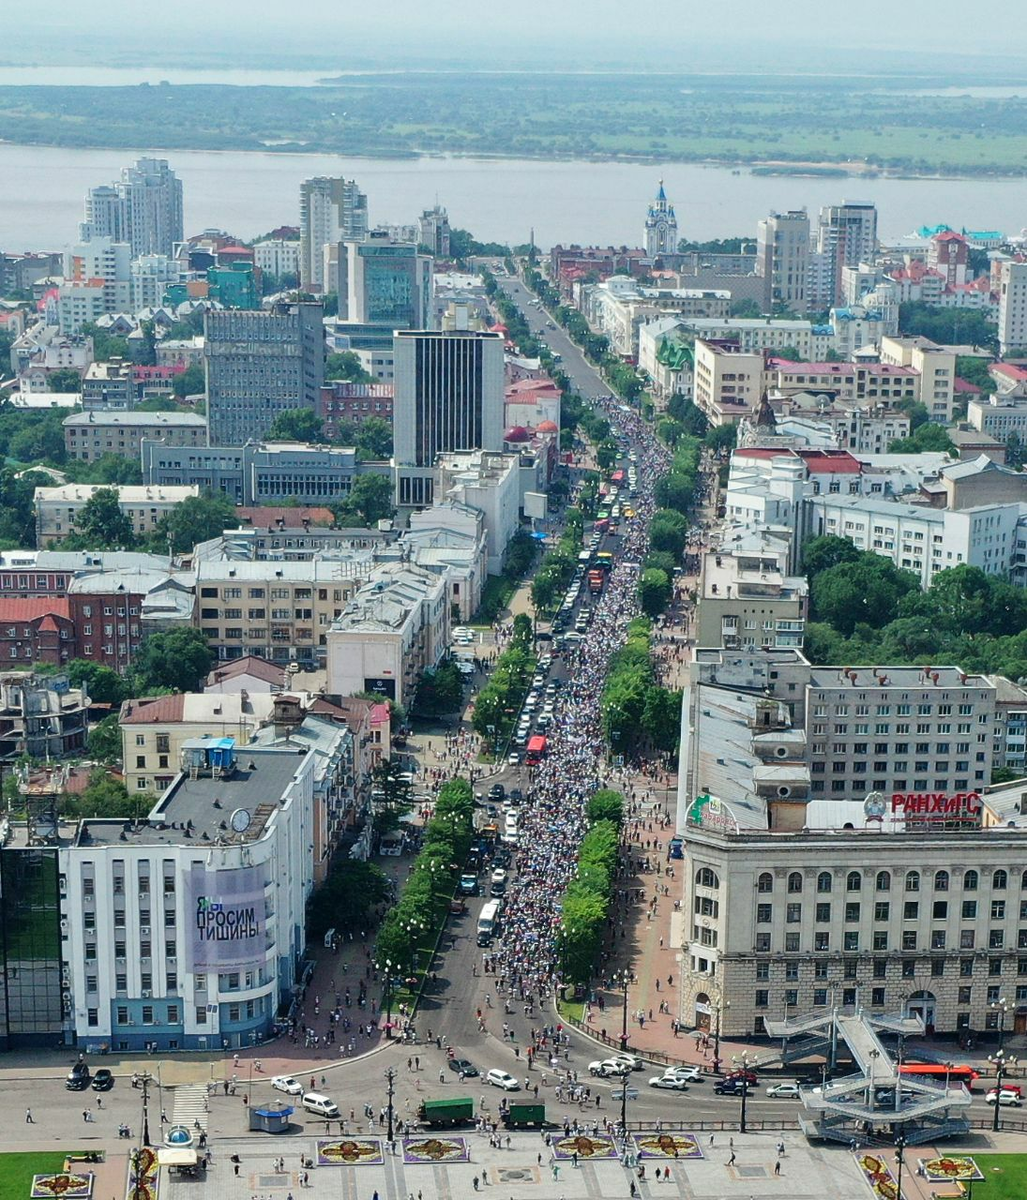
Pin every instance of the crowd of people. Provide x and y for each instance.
(552, 822)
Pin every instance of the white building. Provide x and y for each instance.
(277, 256)
(394, 628)
(1012, 307)
(58, 508)
(151, 274)
(147, 906)
(782, 259)
(142, 208)
(331, 210)
(936, 366)
(97, 280)
(490, 484)
(618, 307)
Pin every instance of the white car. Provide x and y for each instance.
(608, 1066)
(688, 1074)
(784, 1091)
(286, 1083)
(1007, 1098)
(668, 1081)
(633, 1061)
(502, 1079)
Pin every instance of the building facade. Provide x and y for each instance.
(58, 508)
(661, 226)
(331, 210)
(782, 259)
(1012, 307)
(260, 364)
(142, 208)
(88, 436)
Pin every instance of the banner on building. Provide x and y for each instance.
(226, 919)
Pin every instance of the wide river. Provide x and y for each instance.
(41, 191)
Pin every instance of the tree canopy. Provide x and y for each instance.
(178, 659)
(101, 525)
(296, 425)
(197, 519)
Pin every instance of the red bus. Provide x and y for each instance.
(536, 750)
(955, 1074)
(617, 478)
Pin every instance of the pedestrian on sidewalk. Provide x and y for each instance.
(29, 1119)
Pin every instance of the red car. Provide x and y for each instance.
(748, 1076)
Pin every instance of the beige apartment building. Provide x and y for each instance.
(88, 436)
(58, 508)
(936, 366)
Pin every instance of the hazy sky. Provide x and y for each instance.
(689, 34)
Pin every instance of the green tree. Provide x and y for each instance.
(101, 525)
(41, 440)
(660, 560)
(668, 531)
(789, 353)
(748, 309)
(106, 797)
(179, 659)
(654, 591)
(661, 717)
(105, 345)
(190, 382)
(819, 553)
(346, 367)
(147, 355)
(927, 437)
(605, 805)
(1015, 453)
(975, 370)
(722, 438)
(440, 691)
(296, 425)
(105, 740)
(196, 519)
(109, 468)
(606, 454)
(369, 501)
(523, 633)
(374, 438)
(347, 897)
(64, 379)
(103, 684)
(864, 592)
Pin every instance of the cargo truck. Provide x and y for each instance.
(518, 1115)
(439, 1113)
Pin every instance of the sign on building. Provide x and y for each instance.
(226, 909)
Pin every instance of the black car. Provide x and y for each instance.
(516, 795)
(78, 1078)
(103, 1080)
(463, 1066)
(729, 1087)
(502, 857)
(497, 792)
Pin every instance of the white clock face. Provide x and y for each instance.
(241, 820)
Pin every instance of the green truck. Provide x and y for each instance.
(517, 1115)
(439, 1113)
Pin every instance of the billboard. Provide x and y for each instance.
(226, 921)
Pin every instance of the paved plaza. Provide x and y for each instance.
(528, 1170)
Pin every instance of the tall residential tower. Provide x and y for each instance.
(142, 208)
(331, 210)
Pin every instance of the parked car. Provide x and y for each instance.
(1008, 1097)
(103, 1080)
(784, 1091)
(671, 1082)
(78, 1078)
(502, 1079)
(463, 1066)
(286, 1083)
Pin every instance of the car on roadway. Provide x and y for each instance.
(728, 1087)
(497, 792)
(748, 1076)
(670, 1082)
(513, 759)
(78, 1078)
(286, 1083)
(463, 1067)
(468, 884)
(605, 1067)
(1008, 1097)
(784, 1091)
(502, 1079)
(688, 1074)
(103, 1080)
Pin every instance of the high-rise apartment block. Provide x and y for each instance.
(448, 396)
(331, 210)
(434, 231)
(1012, 307)
(259, 364)
(782, 259)
(97, 280)
(142, 208)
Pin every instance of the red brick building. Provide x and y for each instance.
(353, 402)
(36, 631)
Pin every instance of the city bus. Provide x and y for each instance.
(954, 1073)
(488, 922)
(604, 560)
(536, 750)
(617, 479)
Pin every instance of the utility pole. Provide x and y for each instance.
(146, 1109)
(390, 1076)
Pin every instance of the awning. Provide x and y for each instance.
(168, 1156)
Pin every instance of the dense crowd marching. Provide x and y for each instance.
(552, 822)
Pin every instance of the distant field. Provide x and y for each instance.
(861, 123)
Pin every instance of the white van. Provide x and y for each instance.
(319, 1105)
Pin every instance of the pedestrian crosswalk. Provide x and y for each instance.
(191, 1105)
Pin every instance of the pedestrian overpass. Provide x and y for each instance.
(879, 1102)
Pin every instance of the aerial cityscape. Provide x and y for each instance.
(513, 611)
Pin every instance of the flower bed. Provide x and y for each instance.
(436, 1150)
(667, 1145)
(352, 1152)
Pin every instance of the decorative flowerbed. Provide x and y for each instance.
(143, 1175)
(950, 1167)
(355, 1151)
(435, 1150)
(584, 1145)
(878, 1175)
(65, 1185)
(667, 1145)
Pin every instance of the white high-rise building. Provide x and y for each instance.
(97, 280)
(1012, 307)
(782, 259)
(151, 274)
(661, 226)
(331, 210)
(142, 208)
(846, 236)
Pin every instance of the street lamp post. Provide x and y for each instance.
(900, 1146)
(1001, 1006)
(625, 980)
(716, 1036)
(745, 1062)
(1002, 1065)
(386, 969)
(390, 1076)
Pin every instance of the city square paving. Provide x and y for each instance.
(528, 1169)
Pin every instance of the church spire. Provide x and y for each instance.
(661, 227)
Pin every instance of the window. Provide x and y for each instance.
(912, 881)
(966, 939)
(941, 881)
(883, 882)
(966, 967)
(880, 968)
(998, 910)
(763, 970)
(970, 879)
(823, 882)
(793, 914)
(852, 911)
(996, 939)
(882, 910)
(791, 943)
(792, 971)
(909, 939)
(765, 883)
(707, 878)
(994, 966)
(794, 882)
(762, 943)
(764, 913)
(911, 910)
(853, 881)
(762, 998)
(998, 881)
(822, 913)
(819, 997)
(852, 941)
(822, 941)
(908, 969)
(937, 939)
(939, 910)
(969, 910)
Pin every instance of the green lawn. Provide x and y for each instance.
(16, 1171)
(1005, 1176)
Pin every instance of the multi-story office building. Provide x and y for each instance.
(1012, 307)
(936, 366)
(384, 282)
(890, 877)
(331, 210)
(88, 436)
(142, 208)
(728, 382)
(260, 364)
(142, 904)
(782, 259)
(339, 401)
(448, 396)
(58, 508)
